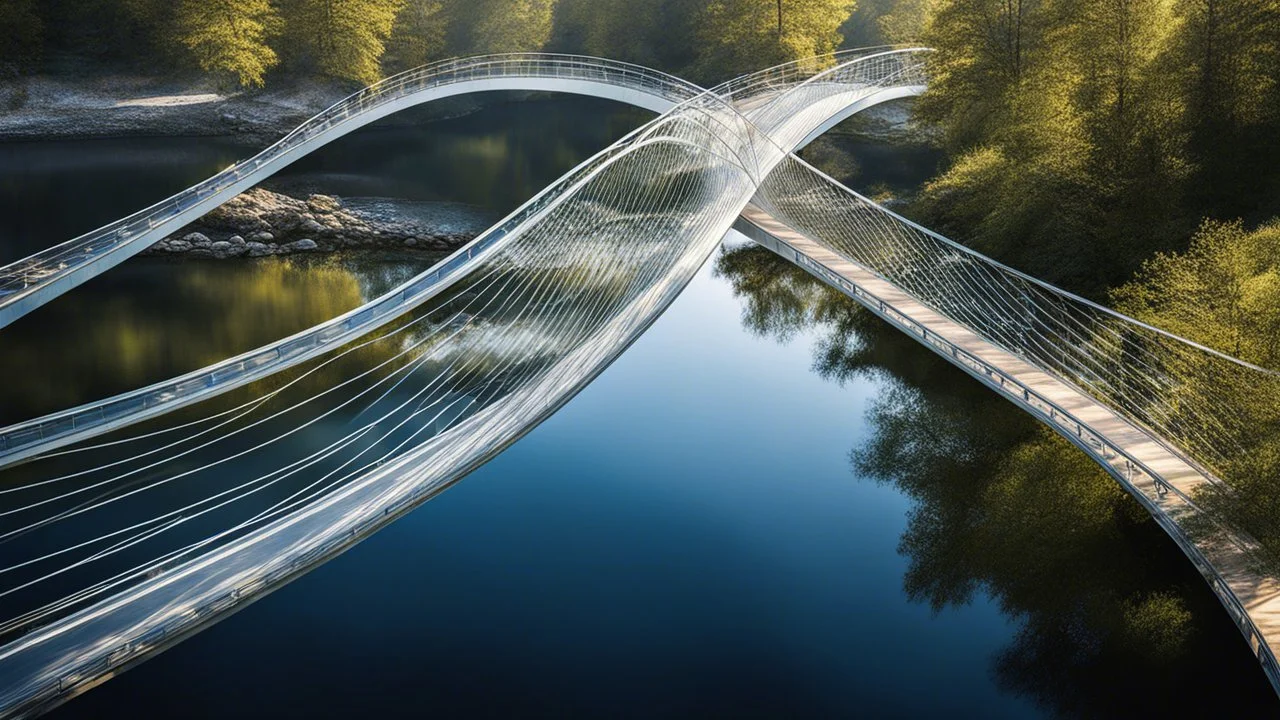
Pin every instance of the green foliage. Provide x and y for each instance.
(358, 39)
(501, 26)
(834, 160)
(656, 33)
(229, 37)
(887, 22)
(1089, 134)
(1067, 109)
(905, 21)
(1231, 53)
(153, 20)
(862, 29)
(983, 50)
(1224, 292)
(342, 38)
(1001, 508)
(103, 29)
(418, 35)
(619, 29)
(737, 36)
(1018, 199)
(1158, 624)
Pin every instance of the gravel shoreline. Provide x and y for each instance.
(260, 222)
(50, 107)
(46, 107)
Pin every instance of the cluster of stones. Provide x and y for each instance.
(259, 222)
(198, 244)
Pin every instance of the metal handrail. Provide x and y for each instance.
(22, 277)
(23, 439)
(1035, 402)
(696, 135)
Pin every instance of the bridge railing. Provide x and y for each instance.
(25, 439)
(808, 86)
(592, 262)
(672, 187)
(21, 277)
(1217, 413)
(1118, 460)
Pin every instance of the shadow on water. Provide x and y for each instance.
(1109, 607)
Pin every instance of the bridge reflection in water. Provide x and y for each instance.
(444, 372)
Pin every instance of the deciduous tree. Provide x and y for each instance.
(343, 38)
(230, 37)
(501, 26)
(737, 36)
(418, 35)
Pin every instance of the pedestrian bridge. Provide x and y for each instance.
(338, 430)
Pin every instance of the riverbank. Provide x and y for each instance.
(131, 105)
(261, 222)
(45, 107)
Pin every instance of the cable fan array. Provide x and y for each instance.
(151, 526)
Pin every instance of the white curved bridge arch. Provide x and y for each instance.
(560, 289)
(28, 283)
(111, 245)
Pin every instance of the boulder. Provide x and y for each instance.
(260, 222)
(323, 204)
(225, 249)
(257, 249)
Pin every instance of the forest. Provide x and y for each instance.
(252, 42)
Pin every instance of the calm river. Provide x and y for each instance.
(771, 505)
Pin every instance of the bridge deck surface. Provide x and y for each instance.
(1172, 505)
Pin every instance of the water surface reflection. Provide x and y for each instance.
(153, 318)
(1003, 506)
(692, 534)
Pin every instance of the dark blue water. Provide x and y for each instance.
(685, 536)
(772, 504)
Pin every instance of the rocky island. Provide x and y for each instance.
(261, 222)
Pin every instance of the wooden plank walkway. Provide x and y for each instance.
(1155, 475)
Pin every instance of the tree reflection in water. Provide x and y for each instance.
(1114, 619)
(157, 318)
